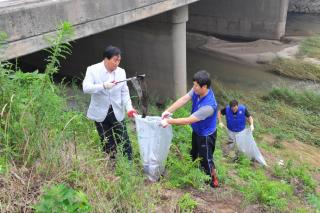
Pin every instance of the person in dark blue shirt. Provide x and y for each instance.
(236, 117)
(203, 120)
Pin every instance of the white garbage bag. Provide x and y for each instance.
(154, 143)
(246, 144)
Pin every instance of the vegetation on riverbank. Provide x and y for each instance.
(310, 47)
(299, 68)
(51, 156)
(296, 68)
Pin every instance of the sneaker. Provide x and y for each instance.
(214, 182)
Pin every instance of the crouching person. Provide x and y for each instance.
(203, 120)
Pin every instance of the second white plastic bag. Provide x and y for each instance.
(246, 144)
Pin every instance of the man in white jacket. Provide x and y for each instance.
(109, 100)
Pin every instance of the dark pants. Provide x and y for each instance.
(203, 147)
(113, 133)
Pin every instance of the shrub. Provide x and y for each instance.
(59, 198)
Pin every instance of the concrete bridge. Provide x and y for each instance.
(151, 33)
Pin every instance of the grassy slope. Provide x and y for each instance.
(283, 118)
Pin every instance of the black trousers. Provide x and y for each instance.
(113, 133)
(203, 147)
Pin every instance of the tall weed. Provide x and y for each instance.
(30, 106)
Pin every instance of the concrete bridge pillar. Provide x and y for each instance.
(179, 52)
(157, 47)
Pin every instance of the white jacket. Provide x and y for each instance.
(101, 98)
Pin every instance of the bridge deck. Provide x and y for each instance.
(11, 3)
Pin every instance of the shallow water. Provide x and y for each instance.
(231, 74)
(299, 24)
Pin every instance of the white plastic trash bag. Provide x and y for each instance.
(246, 144)
(154, 142)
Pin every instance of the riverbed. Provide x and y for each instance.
(237, 74)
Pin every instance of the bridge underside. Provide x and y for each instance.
(152, 35)
(155, 46)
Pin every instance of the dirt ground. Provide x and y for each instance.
(253, 52)
(220, 200)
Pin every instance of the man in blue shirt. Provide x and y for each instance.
(203, 120)
(236, 117)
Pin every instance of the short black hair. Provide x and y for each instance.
(233, 103)
(111, 51)
(202, 77)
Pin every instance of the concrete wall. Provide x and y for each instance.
(240, 18)
(304, 6)
(29, 22)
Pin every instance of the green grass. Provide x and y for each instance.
(310, 47)
(301, 172)
(305, 100)
(186, 203)
(257, 187)
(289, 114)
(296, 69)
(314, 200)
(182, 171)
